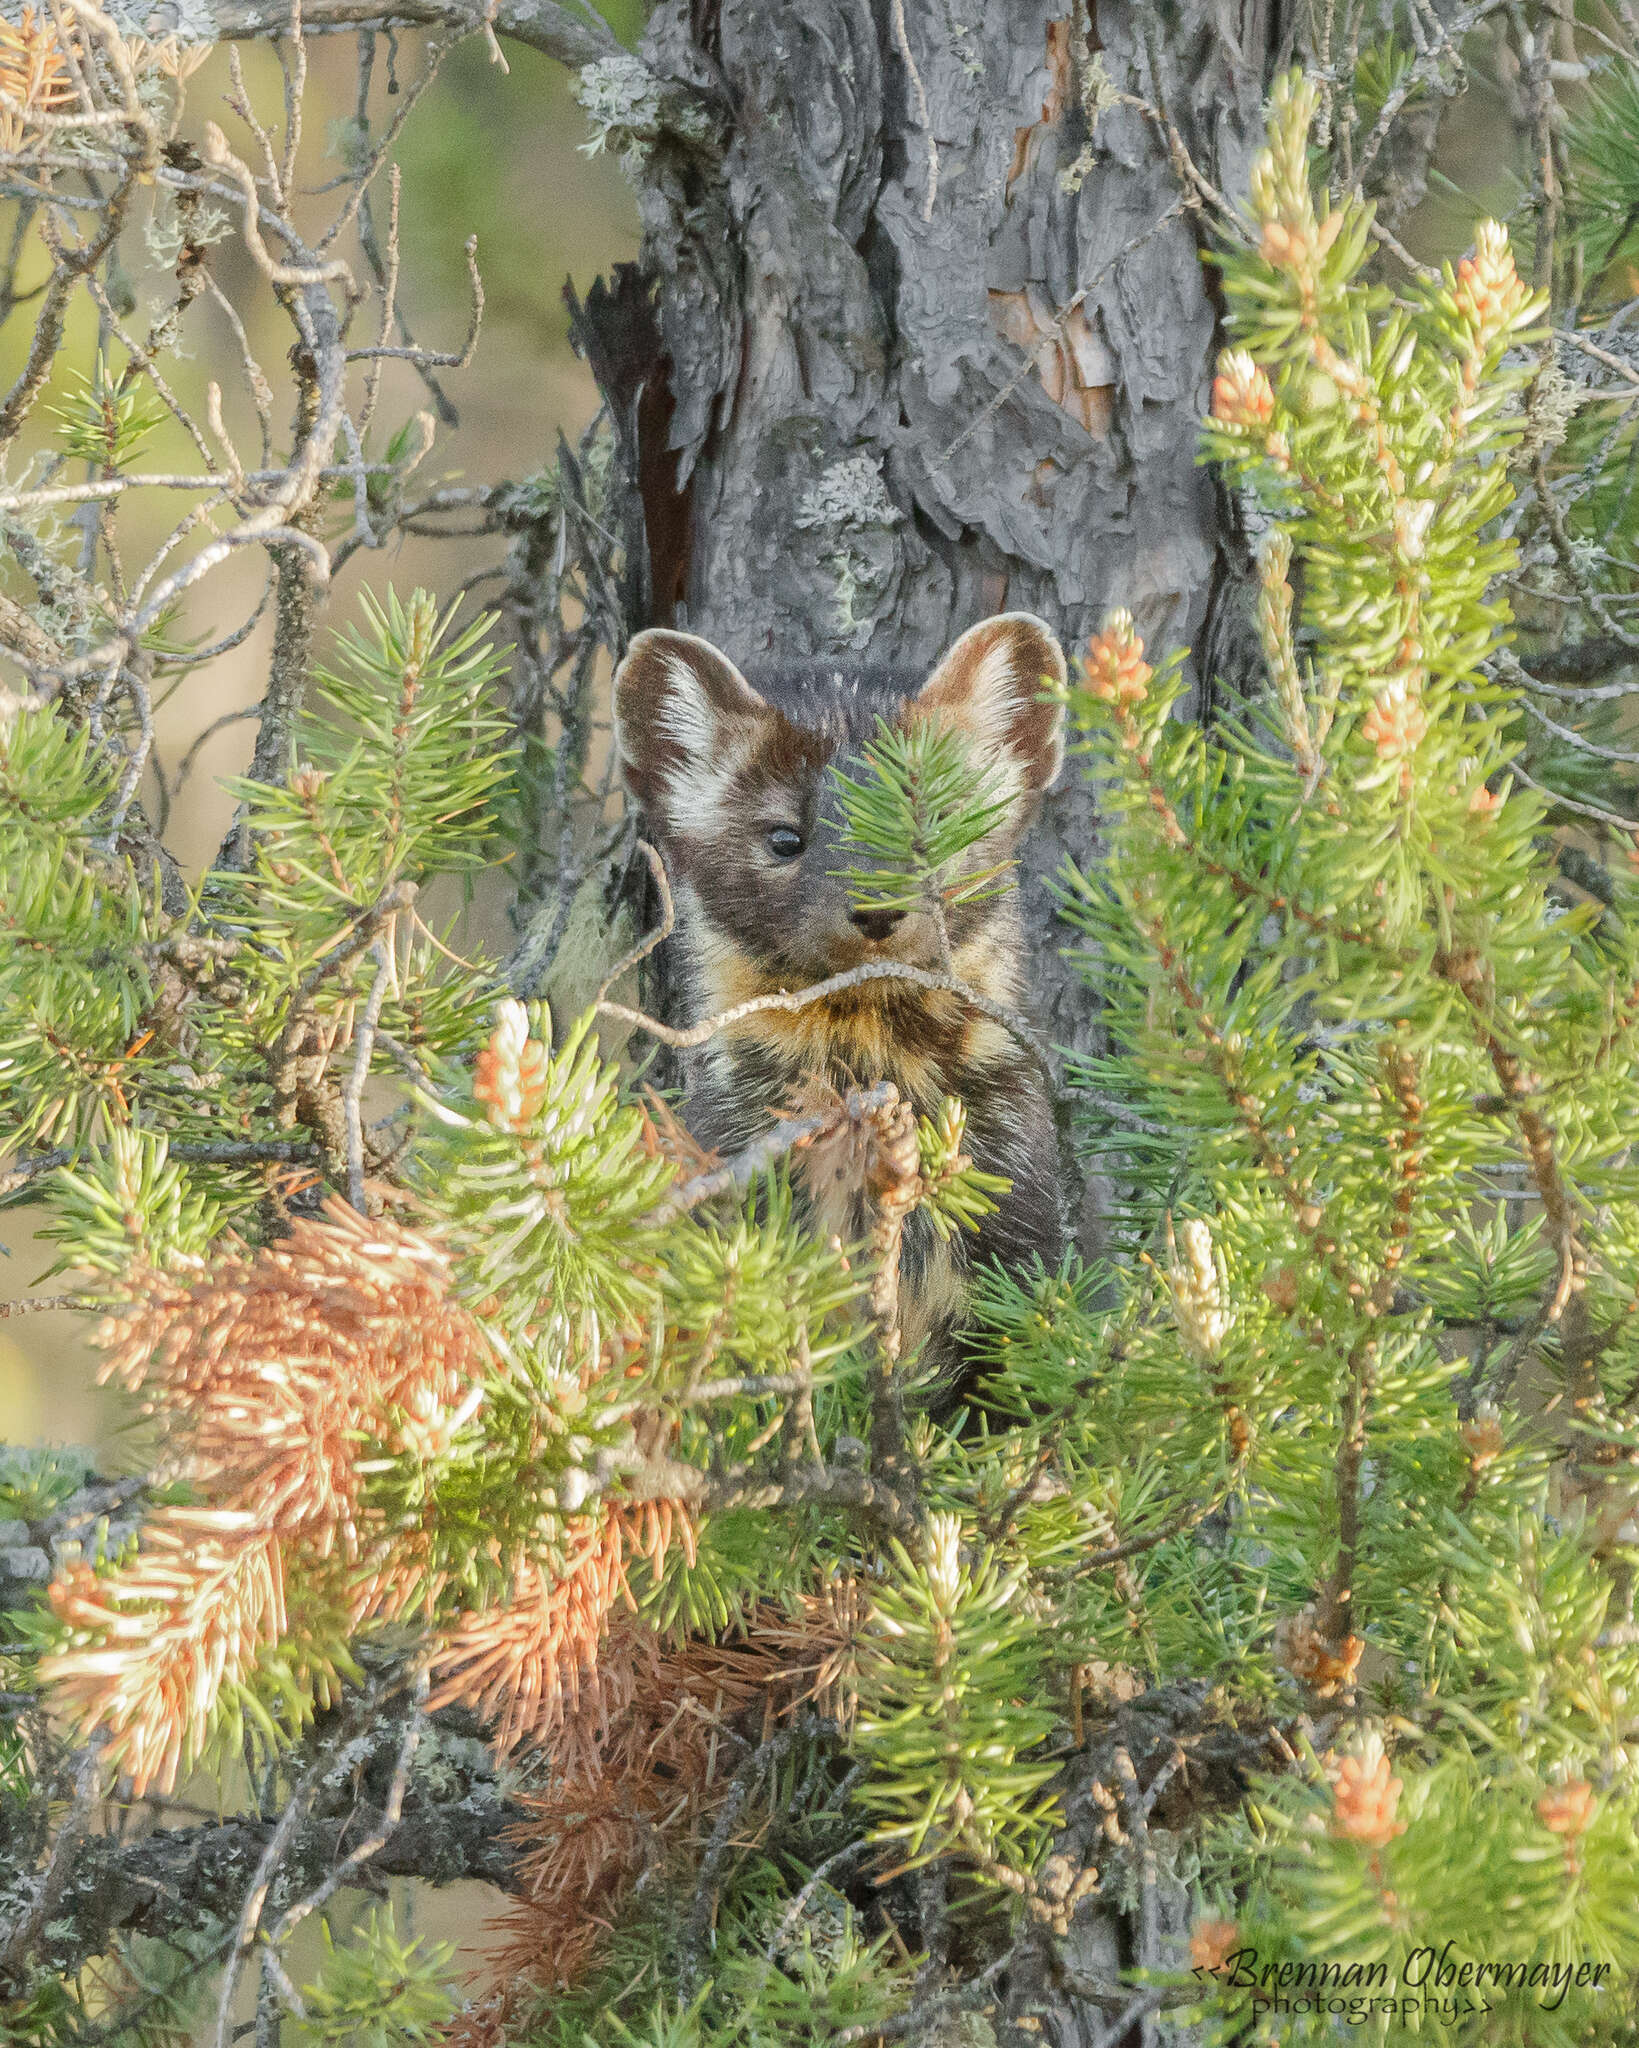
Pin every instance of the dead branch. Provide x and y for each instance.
(542, 24)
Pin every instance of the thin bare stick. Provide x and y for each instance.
(250, 1912)
(437, 358)
(1600, 355)
(226, 1152)
(790, 1134)
(379, 1836)
(542, 24)
(790, 1001)
(38, 1304)
(352, 1094)
(261, 392)
(663, 931)
(793, 1000)
(216, 152)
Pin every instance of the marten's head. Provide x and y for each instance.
(737, 786)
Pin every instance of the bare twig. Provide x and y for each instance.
(542, 24)
(1598, 812)
(229, 1152)
(790, 1001)
(663, 931)
(39, 1304)
(14, 1952)
(1427, 68)
(696, 1928)
(790, 1134)
(352, 1094)
(1136, 2012)
(378, 1837)
(255, 1899)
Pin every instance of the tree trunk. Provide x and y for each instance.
(938, 338)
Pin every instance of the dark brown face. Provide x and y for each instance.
(739, 789)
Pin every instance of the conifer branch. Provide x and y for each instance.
(377, 1837)
(174, 1881)
(839, 1486)
(364, 1040)
(1567, 1305)
(226, 1152)
(1337, 1609)
(637, 954)
(48, 1889)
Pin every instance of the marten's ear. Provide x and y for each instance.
(990, 686)
(677, 702)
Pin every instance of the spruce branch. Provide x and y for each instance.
(926, 803)
(227, 1152)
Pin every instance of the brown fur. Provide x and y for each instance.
(717, 765)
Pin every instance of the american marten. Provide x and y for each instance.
(735, 782)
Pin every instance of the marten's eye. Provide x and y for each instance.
(784, 842)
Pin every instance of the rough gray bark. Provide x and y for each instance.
(176, 1881)
(938, 346)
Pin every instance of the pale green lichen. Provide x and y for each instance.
(629, 109)
(1099, 93)
(851, 493)
(960, 31)
(190, 21)
(167, 232)
(849, 500)
(1552, 402)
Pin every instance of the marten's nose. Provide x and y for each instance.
(875, 924)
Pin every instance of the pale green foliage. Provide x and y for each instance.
(132, 1201)
(34, 1482)
(376, 1991)
(951, 1702)
(395, 779)
(778, 1982)
(924, 804)
(1354, 1021)
(556, 1209)
(759, 1287)
(107, 419)
(74, 982)
(960, 1193)
(830, 1979)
